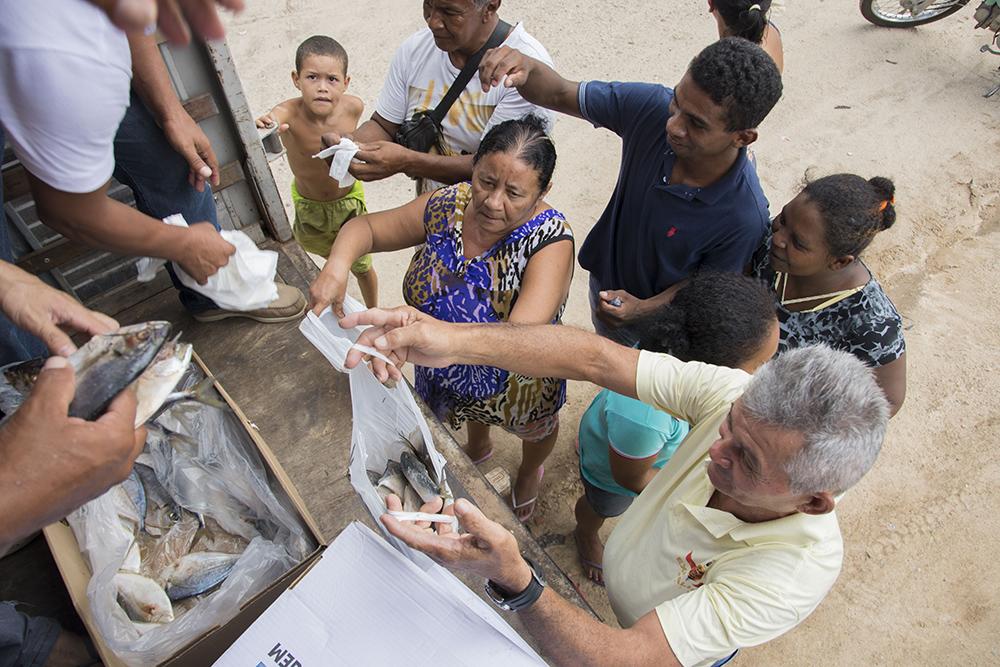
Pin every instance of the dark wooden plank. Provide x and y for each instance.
(15, 183)
(201, 107)
(53, 256)
(229, 174)
(130, 294)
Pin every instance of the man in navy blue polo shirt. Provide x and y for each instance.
(687, 197)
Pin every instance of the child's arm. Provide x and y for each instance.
(279, 116)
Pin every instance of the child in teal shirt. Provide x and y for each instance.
(718, 318)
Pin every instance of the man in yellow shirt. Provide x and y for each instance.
(735, 540)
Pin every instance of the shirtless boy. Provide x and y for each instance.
(321, 204)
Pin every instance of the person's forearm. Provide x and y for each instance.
(99, 221)
(567, 635)
(369, 131)
(354, 240)
(548, 351)
(657, 301)
(446, 169)
(151, 79)
(547, 88)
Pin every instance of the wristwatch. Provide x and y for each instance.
(516, 602)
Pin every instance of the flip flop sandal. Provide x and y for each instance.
(484, 458)
(516, 505)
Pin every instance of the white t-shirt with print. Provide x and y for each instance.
(421, 73)
(65, 72)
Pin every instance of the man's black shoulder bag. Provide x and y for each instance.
(423, 131)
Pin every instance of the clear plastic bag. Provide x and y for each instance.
(384, 419)
(209, 465)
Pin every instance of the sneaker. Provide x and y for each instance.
(289, 305)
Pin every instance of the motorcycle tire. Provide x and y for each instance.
(891, 13)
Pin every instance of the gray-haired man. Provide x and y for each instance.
(732, 544)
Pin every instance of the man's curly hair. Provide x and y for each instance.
(740, 77)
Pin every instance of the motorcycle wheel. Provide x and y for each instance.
(893, 14)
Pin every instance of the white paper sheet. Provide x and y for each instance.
(364, 603)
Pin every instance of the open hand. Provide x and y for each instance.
(403, 334)
(504, 66)
(486, 548)
(41, 310)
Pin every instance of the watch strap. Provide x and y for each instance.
(522, 600)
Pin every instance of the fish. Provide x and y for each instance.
(411, 500)
(160, 379)
(156, 494)
(197, 573)
(392, 479)
(200, 393)
(108, 363)
(418, 477)
(171, 547)
(133, 559)
(142, 598)
(137, 494)
(104, 367)
(125, 508)
(211, 537)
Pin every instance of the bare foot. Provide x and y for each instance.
(591, 553)
(524, 493)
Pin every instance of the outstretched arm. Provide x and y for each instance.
(567, 634)
(536, 350)
(535, 81)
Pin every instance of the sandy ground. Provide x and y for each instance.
(919, 583)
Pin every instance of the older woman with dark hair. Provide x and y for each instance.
(493, 251)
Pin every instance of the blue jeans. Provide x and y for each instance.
(158, 177)
(15, 344)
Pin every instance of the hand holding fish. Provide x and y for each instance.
(52, 463)
(486, 549)
(403, 334)
(41, 310)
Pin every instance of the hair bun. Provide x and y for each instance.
(886, 192)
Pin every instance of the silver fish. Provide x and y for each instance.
(137, 494)
(418, 477)
(411, 500)
(160, 379)
(143, 599)
(110, 362)
(198, 572)
(392, 479)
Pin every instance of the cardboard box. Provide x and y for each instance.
(206, 649)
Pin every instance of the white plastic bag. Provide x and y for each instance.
(383, 418)
(212, 469)
(245, 283)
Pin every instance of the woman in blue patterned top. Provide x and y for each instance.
(493, 251)
(824, 292)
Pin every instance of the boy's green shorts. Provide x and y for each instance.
(317, 222)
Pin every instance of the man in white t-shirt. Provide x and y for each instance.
(733, 543)
(422, 70)
(65, 74)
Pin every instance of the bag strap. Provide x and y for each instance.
(471, 65)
